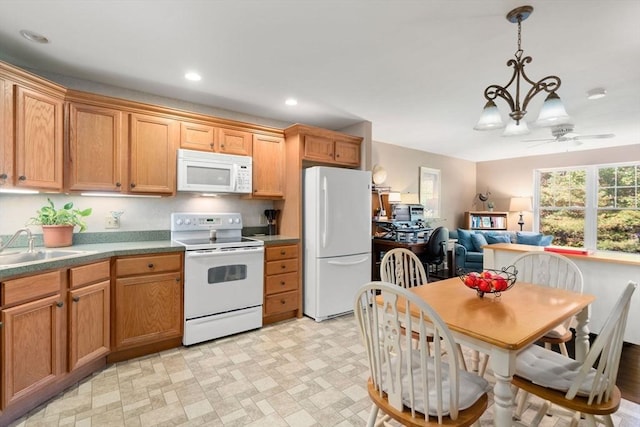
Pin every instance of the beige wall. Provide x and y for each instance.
(514, 177)
(458, 178)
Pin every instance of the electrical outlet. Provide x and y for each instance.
(111, 222)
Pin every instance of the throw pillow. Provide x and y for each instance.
(478, 241)
(546, 240)
(464, 238)
(528, 239)
(498, 238)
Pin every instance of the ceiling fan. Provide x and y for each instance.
(565, 133)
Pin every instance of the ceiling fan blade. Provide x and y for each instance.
(600, 136)
(539, 140)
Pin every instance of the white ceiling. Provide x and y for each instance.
(416, 69)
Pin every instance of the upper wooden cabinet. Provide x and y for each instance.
(31, 137)
(96, 159)
(268, 167)
(326, 146)
(235, 142)
(205, 137)
(114, 149)
(153, 142)
(6, 132)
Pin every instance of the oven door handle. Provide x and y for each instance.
(244, 251)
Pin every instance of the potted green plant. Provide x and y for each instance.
(58, 224)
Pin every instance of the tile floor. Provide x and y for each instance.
(296, 373)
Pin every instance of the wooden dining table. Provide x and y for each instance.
(502, 326)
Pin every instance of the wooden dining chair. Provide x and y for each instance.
(555, 271)
(406, 383)
(588, 388)
(402, 267)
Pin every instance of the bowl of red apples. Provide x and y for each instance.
(489, 281)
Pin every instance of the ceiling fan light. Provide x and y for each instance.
(552, 112)
(490, 118)
(514, 129)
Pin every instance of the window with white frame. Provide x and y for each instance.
(596, 207)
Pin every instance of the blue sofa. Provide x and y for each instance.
(468, 248)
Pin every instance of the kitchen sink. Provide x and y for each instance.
(11, 259)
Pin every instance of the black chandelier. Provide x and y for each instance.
(552, 112)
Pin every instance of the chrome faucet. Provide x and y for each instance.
(15, 236)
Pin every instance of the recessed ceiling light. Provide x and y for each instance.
(596, 93)
(291, 102)
(34, 37)
(193, 76)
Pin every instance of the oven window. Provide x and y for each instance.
(227, 273)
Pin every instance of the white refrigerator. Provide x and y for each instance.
(337, 239)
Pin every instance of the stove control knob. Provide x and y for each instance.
(187, 221)
(179, 221)
(237, 220)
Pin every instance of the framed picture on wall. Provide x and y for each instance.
(429, 184)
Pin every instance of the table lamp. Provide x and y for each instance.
(520, 204)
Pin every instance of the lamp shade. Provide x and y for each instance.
(520, 204)
(552, 112)
(514, 129)
(490, 118)
(394, 197)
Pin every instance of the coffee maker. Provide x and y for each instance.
(272, 215)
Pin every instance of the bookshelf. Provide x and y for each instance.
(485, 220)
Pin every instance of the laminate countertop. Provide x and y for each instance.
(89, 252)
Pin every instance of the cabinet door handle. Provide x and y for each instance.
(22, 178)
(118, 184)
(221, 145)
(3, 176)
(133, 185)
(150, 265)
(1, 325)
(178, 279)
(76, 299)
(59, 304)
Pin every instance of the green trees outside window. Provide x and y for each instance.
(596, 207)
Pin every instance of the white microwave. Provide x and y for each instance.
(204, 172)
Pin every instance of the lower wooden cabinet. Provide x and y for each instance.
(32, 334)
(89, 329)
(281, 283)
(148, 300)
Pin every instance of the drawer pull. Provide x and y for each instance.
(283, 266)
(178, 279)
(59, 304)
(150, 265)
(283, 252)
(76, 299)
(282, 283)
(282, 302)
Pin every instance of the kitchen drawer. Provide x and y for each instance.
(32, 287)
(281, 252)
(87, 274)
(279, 303)
(282, 266)
(281, 283)
(148, 264)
